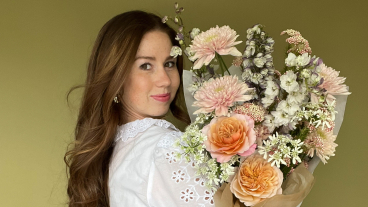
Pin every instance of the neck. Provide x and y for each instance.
(128, 114)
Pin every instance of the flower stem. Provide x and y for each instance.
(222, 64)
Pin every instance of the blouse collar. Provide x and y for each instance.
(131, 129)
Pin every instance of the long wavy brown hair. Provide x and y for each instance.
(110, 63)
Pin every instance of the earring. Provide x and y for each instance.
(116, 99)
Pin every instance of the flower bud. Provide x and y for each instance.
(164, 19)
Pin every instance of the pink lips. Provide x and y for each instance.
(161, 97)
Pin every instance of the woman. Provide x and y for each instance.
(123, 154)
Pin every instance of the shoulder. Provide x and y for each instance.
(141, 141)
(143, 127)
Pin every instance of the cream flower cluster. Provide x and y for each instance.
(280, 149)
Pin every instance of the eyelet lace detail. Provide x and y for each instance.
(168, 140)
(191, 186)
(131, 129)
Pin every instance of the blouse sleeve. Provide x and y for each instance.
(172, 181)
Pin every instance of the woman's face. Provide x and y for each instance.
(154, 79)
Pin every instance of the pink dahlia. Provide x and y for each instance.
(322, 143)
(219, 94)
(332, 82)
(218, 39)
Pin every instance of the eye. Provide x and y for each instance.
(145, 66)
(170, 64)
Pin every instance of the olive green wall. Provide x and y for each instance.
(44, 47)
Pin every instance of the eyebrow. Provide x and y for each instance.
(152, 58)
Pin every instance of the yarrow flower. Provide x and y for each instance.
(219, 40)
(300, 45)
(256, 112)
(219, 94)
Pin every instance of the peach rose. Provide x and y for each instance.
(256, 180)
(228, 136)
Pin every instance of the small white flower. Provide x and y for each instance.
(269, 122)
(194, 32)
(268, 48)
(306, 73)
(249, 51)
(274, 139)
(277, 159)
(272, 89)
(246, 63)
(175, 51)
(259, 61)
(268, 57)
(285, 150)
(281, 117)
(295, 154)
(255, 78)
(314, 79)
(302, 60)
(256, 29)
(288, 107)
(270, 40)
(267, 100)
(297, 96)
(296, 143)
(288, 81)
(290, 60)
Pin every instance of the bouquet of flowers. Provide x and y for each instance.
(254, 125)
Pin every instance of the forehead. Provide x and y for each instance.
(154, 43)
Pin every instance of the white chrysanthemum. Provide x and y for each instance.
(219, 40)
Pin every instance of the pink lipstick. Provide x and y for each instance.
(162, 97)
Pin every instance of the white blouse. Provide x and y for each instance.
(144, 170)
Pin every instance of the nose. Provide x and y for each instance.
(163, 78)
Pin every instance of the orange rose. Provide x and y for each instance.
(256, 180)
(228, 136)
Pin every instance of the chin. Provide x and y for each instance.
(160, 114)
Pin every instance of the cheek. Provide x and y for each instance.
(134, 90)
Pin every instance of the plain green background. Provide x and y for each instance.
(45, 44)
